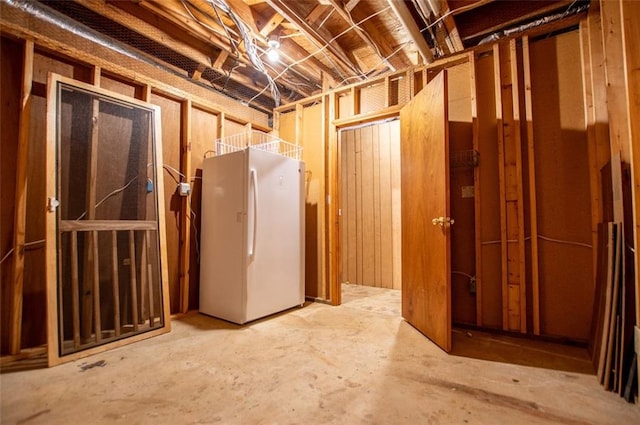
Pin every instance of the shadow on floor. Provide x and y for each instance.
(521, 350)
(480, 344)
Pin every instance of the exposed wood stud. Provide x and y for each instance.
(533, 219)
(503, 213)
(476, 188)
(20, 213)
(185, 208)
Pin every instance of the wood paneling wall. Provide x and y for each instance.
(370, 219)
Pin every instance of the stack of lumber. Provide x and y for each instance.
(614, 312)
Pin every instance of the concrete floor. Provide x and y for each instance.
(359, 363)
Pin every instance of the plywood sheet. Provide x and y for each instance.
(10, 83)
(171, 111)
(562, 187)
(204, 130)
(490, 196)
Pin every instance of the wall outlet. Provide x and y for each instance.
(184, 189)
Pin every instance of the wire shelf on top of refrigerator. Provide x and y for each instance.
(257, 140)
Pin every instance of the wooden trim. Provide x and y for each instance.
(503, 212)
(105, 225)
(51, 221)
(116, 282)
(334, 194)
(185, 208)
(20, 213)
(390, 112)
(477, 193)
(535, 278)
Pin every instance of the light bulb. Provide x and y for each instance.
(273, 55)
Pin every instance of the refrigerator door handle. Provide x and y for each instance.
(254, 186)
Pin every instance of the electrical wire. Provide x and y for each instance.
(170, 168)
(462, 273)
(250, 46)
(321, 49)
(544, 238)
(26, 245)
(116, 191)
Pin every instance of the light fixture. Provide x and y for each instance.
(274, 44)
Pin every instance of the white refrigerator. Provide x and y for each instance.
(252, 235)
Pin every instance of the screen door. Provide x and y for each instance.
(105, 227)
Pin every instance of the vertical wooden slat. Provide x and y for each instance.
(476, 188)
(359, 207)
(143, 304)
(20, 213)
(116, 282)
(533, 217)
(368, 240)
(148, 269)
(352, 209)
(503, 214)
(386, 235)
(396, 219)
(96, 289)
(185, 209)
(333, 190)
(89, 259)
(133, 280)
(519, 201)
(377, 227)
(344, 203)
(75, 290)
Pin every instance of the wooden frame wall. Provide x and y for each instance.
(343, 106)
(99, 65)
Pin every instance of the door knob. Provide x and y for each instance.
(442, 221)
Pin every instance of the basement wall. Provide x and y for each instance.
(557, 116)
(192, 118)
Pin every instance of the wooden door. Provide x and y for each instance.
(424, 155)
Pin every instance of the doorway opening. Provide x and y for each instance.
(370, 271)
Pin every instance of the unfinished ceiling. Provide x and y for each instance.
(225, 44)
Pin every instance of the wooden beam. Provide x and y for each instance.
(451, 28)
(533, 217)
(20, 213)
(515, 149)
(403, 14)
(379, 49)
(219, 62)
(333, 189)
(180, 18)
(179, 41)
(270, 26)
(283, 9)
(470, 6)
(477, 193)
(185, 208)
(351, 4)
(501, 172)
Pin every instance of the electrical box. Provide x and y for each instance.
(184, 189)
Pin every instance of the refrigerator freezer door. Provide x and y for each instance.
(223, 237)
(275, 270)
